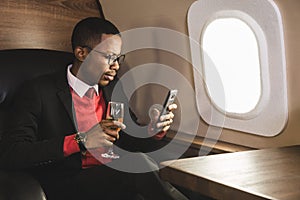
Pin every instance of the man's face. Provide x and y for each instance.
(99, 67)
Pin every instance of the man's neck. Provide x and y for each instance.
(75, 68)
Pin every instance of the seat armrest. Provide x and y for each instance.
(19, 186)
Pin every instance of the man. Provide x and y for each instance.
(59, 128)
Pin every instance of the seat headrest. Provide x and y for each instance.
(23, 64)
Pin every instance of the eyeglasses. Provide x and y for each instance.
(111, 58)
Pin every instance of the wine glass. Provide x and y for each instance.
(115, 111)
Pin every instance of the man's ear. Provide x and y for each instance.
(80, 53)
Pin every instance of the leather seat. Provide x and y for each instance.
(17, 66)
(19, 186)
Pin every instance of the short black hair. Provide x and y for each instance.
(89, 31)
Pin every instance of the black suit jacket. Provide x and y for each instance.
(42, 117)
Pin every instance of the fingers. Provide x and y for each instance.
(119, 124)
(164, 123)
(111, 137)
(155, 110)
(103, 134)
(173, 106)
(106, 138)
(167, 119)
(166, 128)
(112, 124)
(111, 134)
(168, 116)
(112, 128)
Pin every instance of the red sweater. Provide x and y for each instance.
(89, 111)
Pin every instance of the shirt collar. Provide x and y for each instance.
(79, 86)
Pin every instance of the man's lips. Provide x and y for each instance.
(109, 77)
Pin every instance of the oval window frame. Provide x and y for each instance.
(269, 118)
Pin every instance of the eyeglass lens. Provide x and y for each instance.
(119, 59)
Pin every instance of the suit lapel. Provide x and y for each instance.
(64, 94)
(65, 97)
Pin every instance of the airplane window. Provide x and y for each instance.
(239, 67)
(234, 54)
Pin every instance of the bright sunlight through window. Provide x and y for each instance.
(235, 56)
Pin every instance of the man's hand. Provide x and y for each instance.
(165, 121)
(103, 134)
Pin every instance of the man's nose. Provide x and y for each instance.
(115, 66)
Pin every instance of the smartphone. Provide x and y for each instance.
(168, 101)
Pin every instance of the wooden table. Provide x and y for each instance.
(257, 174)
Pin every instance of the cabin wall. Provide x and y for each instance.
(172, 14)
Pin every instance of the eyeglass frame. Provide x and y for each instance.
(109, 57)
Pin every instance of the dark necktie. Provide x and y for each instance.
(90, 93)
